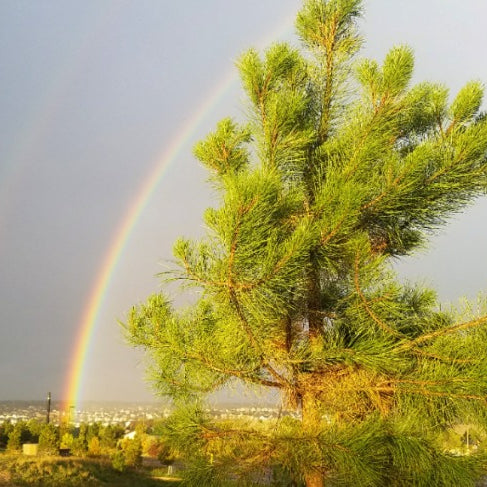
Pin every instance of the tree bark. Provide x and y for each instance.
(311, 419)
(314, 479)
(314, 305)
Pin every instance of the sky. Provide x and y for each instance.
(93, 94)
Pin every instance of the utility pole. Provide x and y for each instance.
(48, 407)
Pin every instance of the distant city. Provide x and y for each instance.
(121, 413)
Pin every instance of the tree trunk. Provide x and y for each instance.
(315, 318)
(311, 419)
(311, 416)
(314, 479)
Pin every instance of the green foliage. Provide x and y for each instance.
(467, 103)
(34, 427)
(165, 454)
(109, 436)
(80, 442)
(20, 433)
(118, 461)
(94, 448)
(132, 452)
(67, 441)
(49, 440)
(93, 429)
(341, 168)
(5, 428)
(61, 472)
(49, 473)
(15, 437)
(222, 151)
(79, 448)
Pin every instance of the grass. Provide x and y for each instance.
(20, 471)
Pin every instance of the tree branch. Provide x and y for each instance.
(446, 331)
(253, 341)
(379, 322)
(241, 374)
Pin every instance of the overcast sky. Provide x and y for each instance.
(91, 94)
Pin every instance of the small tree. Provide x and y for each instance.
(132, 452)
(15, 437)
(80, 442)
(49, 439)
(94, 448)
(118, 461)
(67, 441)
(109, 435)
(5, 429)
(93, 430)
(342, 168)
(34, 427)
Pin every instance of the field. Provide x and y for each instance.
(20, 471)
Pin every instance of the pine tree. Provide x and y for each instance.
(341, 168)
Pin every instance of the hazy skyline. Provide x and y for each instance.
(91, 94)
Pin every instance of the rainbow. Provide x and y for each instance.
(74, 378)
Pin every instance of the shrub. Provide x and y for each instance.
(14, 439)
(94, 448)
(67, 441)
(132, 450)
(118, 461)
(49, 440)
